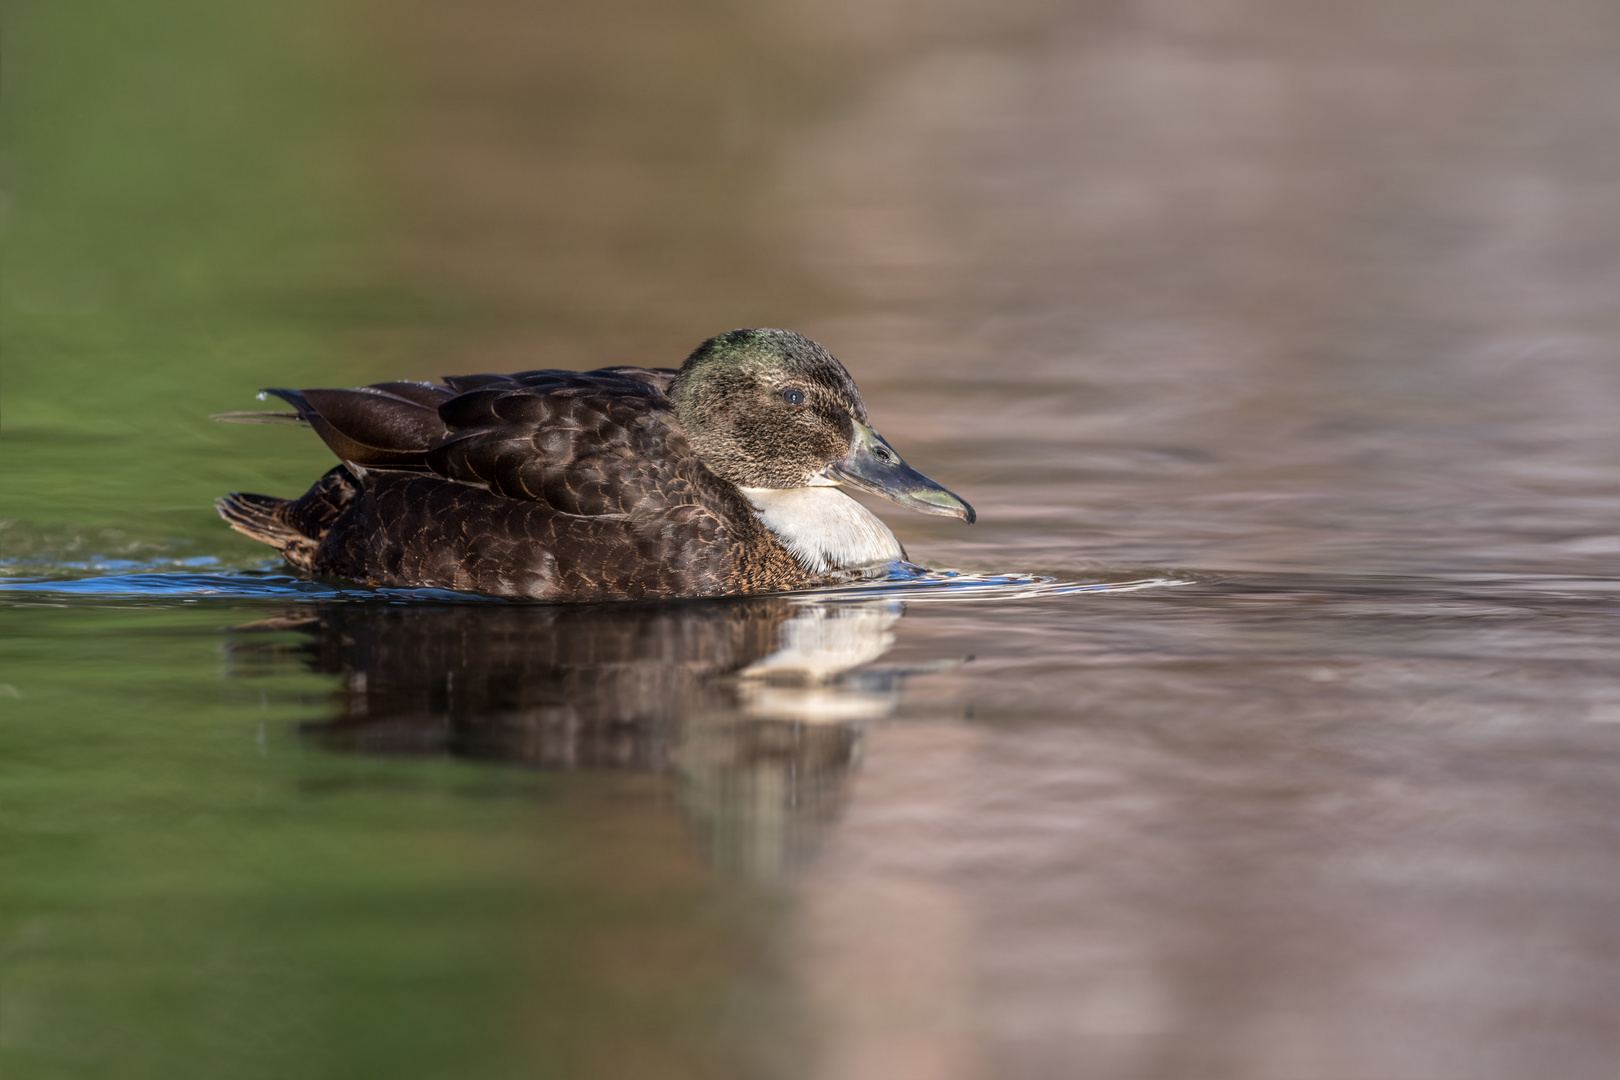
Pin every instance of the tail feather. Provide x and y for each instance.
(264, 518)
(294, 527)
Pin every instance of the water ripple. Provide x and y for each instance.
(920, 585)
(912, 584)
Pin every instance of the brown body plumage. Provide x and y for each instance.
(570, 485)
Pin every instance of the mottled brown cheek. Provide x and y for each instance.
(837, 429)
(829, 447)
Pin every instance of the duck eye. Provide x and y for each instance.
(793, 397)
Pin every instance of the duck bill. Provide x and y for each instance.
(872, 465)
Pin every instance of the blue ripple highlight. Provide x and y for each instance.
(909, 583)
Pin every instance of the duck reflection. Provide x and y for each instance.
(755, 705)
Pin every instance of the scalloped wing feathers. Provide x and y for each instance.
(588, 443)
(550, 484)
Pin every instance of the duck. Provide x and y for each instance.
(724, 477)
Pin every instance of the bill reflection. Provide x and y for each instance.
(755, 706)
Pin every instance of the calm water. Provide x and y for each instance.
(1268, 728)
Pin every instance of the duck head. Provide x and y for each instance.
(771, 409)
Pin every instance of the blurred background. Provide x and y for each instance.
(1274, 283)
(1314, 304)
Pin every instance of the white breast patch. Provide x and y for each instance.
(825, 529)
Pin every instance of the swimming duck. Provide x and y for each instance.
(621, 483)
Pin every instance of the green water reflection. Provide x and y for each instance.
(191, 889)
(185, 220)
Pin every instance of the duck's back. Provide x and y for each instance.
(546, 484)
